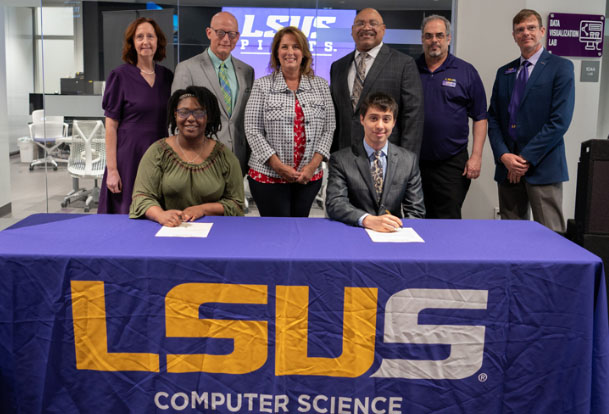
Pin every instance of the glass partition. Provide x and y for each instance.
(59, 53)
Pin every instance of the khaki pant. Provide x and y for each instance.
(544, 200)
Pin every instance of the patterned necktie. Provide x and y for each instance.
(358, 82)
(517, 94)
(376, 169)
(226, 92)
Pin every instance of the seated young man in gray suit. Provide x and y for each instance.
(375, 183)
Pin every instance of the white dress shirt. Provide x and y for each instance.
(369, 62)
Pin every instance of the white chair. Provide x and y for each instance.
(47, 135)
(87, 160)
(320, 198)
(247, 195)
(38, 116)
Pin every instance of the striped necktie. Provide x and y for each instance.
(358, 82)
(226, 92)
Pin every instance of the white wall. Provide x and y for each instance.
(79, 57)
(603, 108)
(58, 55)
(483, 37)
(19, 71)
(5, 172)
(62, 59)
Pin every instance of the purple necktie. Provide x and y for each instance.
(517, 93)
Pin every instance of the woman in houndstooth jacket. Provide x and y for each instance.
(289, 124)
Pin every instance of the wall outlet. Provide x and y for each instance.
(496, 215)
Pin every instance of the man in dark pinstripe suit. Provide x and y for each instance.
(386, 70)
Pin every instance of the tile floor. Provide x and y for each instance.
(29, 190)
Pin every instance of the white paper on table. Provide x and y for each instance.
(403, 235)
(186, 230)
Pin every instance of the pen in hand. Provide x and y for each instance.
(389, 213)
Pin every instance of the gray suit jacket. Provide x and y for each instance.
(199, 71)
(350, 192)
(393, 73)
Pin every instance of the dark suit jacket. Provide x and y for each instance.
(543, 118)
(199, 71)
(350, 192)
(393, 73)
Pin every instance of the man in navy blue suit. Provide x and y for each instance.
(530, 111)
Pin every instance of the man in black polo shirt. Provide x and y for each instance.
(453, 93)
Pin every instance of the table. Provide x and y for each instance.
(271, 315)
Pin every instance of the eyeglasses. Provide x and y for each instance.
(221, 33)
(184, 113)
(439, 36)
(520, 30)
(362, 23)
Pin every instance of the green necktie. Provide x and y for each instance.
(226, 92)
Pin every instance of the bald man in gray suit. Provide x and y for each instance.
(228, 78)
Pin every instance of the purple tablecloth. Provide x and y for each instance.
(485, 316)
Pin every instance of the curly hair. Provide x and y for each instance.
(129, 52)
(307, 58)
(208, 102)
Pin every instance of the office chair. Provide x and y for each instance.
(87, 160)
(320, 198)
(38, 116)
(46, 133)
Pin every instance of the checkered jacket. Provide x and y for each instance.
(269, 120)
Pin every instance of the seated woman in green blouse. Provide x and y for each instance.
(188, 175)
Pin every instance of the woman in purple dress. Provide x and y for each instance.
(135, 105)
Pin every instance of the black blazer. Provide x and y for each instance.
(350, 192)
(393, 73)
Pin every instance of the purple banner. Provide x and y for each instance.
(328, 33)
(578, 35)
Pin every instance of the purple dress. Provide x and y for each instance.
(141, 112)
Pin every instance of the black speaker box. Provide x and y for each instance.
(592, 197)
(599, 245)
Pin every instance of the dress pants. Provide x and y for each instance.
(444, 186)
(284, 200)
(545, 202)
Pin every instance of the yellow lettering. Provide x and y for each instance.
(250, 338)
(359, 330)
(91, 337)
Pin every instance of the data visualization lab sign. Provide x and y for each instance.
(576, 35)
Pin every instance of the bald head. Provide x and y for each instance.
(224, 17)
(223, 46)
(369, 11)
(368, 29)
